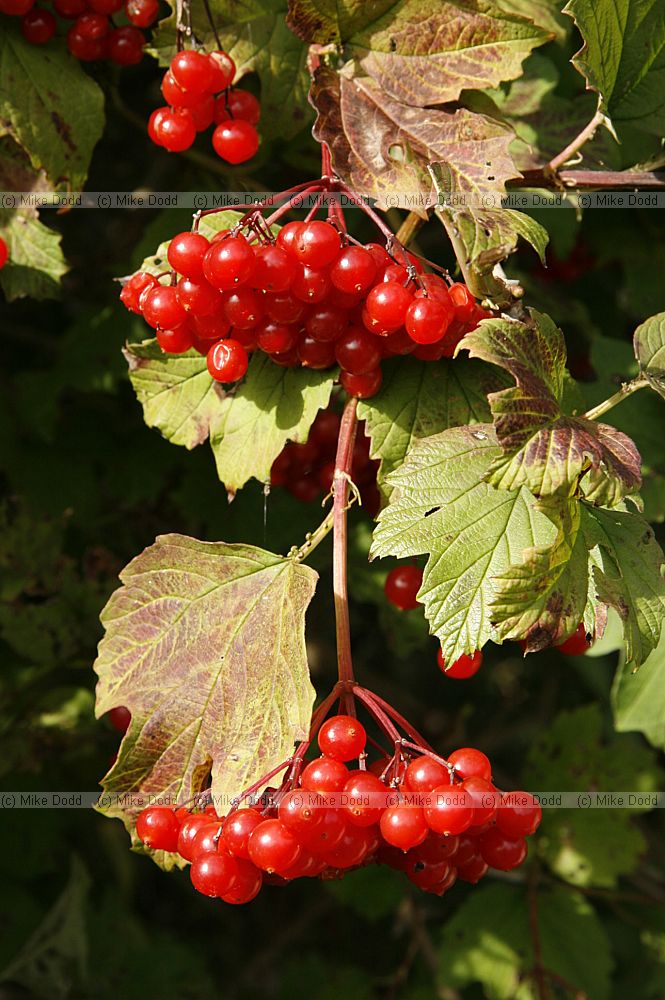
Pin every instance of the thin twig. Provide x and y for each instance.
(576, 144)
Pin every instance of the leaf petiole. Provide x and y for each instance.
(626, 390)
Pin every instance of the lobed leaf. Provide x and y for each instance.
(205, 646)
(649, 347)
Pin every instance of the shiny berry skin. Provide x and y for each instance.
(451, 810)
(192, 72)
(403, 826)
(176, 340)
(38, 26)
(161, 307)
(133, 288)
(83, 48)
(282, 307)
(185, 254)
(237, 104)
(500, 851)
(299, 813)
(155, 123)
(325, 429)
(15, 8)
(200, 299)
(366, 798)
(436, 849)
(387, 304)
(272, 847)
(357, 351)
(175, 130)
(247, 884)
(228, 263)
(485, 799)
(142, 13)
(91, 25)
(326, 322)
(328, 832)
(227, 361)
(158, 828)
(424, 773)
(354, 270)
(213, 874)
(273, 269)
(206, 839)
(401, 586)
(577, 644)
(243, 308)
(463, 301)
(223, 71)
(124, 45)
(471, 763)
(286, 237)
(309, 284)
(353, 847)
(427, 319)
(315, 353)
(120, 718)
(473, 870)
(362, 386)
(175, 96)
(519, 814)
(317, 244)
(237, 828)
(324, 775)
(235, 141)
(69, 9)
(466, 666)
(342, 737)
(276, 338)
(210, 328)
(189, 828)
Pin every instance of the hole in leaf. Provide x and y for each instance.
(396, 152)
(432, 511)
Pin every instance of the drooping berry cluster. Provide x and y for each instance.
(435, 820)
(198, 93)
(308, 297)
(93, 33)
(306, 470)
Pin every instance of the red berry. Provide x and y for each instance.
(325, 429)
(212, 327)
(162, 308)
(387, 304)
(243, 308)
(158, 827)
(175, 130)
(471, 763)
(401, 586)
(436, 849)
(69, 9)
(284, 308)
(365, 798)
(247, 885)
(287, 236)
(463, 301)
(327, 833)
(133, 289)
(176, 340)
(354, 270)
(91, 26)
(500, 851)
(38, 26)
(120, 718)
(237, 828)
(275, 338)
(342, 737)
(192, 71)
(451, 809)
(317, 244)
(185, 254)
(403, 826)
(424, 774)
(465, 666)
(273, 268)
(357, 352)
(200, 299)
(235, 141)
(202, 113)
(229, 262)
(237, 104)
(299, 813)
(485, 799)
(315, 353)
(362, 386)
(353, 847)
(519, 814)
(213, 874)
(272, 847)
(576, 644)
(106, 7)
(324, 775)
(189, 828)
(206, 839)
(427, 319)
(310, 285)
(326, 322)
(15, 8)
(83, 48)
(223, 71)
(142, 13)
(473, 870)
(227, 361)
(175, 96)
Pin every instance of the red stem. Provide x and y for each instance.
(377, 713)
(345, 442)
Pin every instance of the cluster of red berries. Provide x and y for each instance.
(198, 93)
(307, 470)
(435, 820)
(401, 590)
(308, 297)
(92, 34)
(4, 253)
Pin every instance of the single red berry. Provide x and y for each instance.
(237, 104)
(237, 828)
(91, 25)
(223, 70)
(132, 288)
(83, 48)
(272, 847)
(243, 307)
(357, 351)
(315, 353)
(299, 812)
(473, 870)
(342, 737)
(324, 775)
(466, 666)
(235, 141)
(436, 849)
(202, 113)
(576, 644)
(403, 826)
(354, 270)
(273, 268)
(175, 130)
(38, 26)
(15, 8)
(519, 814)
(120, 718)
(471, 763)
(365, 798)
(309, 284)
(427, 319)
(227, 361)
(162, 308)
(362, 386)
(176, 340)
(317, 244)
(158, 828)
(328, 832)
(325, 430)
(247, 885)
(401, 586)
(210, 328)
(206, 839)
(463, 301)
(142, 13)
(286, 237)
(276, 338)
(189, 828)
(451, 809)
(200, 299)
(213, 874)
(354, 846)
(69, 9)
(326, 322)
(282, 307)
(424, 774)
(500, 851)
(228, 263)
(485, 799)
(175, 96)
(192, 71)
(185, 254)
(387, 304)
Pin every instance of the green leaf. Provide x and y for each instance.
(50, 106)
(417, 399)
(205, 646)
(489, 941)
(256, 36)
(546, 13)
(590, 846)
(623, 58)
(271, 406)
(472, 533)
(36, 262)
(649, 346)
(544, 449)
(628, 574)
(389, 160)
(638, 698)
